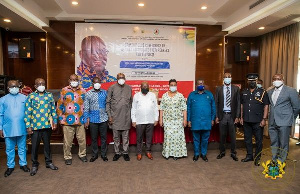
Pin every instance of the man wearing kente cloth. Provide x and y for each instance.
(93, 56)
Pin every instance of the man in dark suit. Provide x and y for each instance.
(284, 109)
(228, 108)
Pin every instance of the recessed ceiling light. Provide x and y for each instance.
(203, 7)
(261, 28)
(7, 20)
(74, 3)
(141, 4)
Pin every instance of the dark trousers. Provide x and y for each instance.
(36, 137)
(251, 129)
(227, 124)
(140, 130)
(95, 129)
(280, 137)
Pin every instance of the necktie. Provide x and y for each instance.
(227, 97)
(275, 96)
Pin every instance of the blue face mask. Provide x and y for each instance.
(200, 88)
(14, 90)
(259, 85)
(227, 80)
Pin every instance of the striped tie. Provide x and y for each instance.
(227, 97)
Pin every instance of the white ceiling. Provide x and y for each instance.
(234, 15)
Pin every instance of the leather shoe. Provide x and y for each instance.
(104, 158)
(221, 155)
(8, 172)
(126, 157)
(93, 159)
(233, 156)
(195, 158)
(25, 168)
(68, 161)
(116, 157)
(257, 162)
(139, 157)
(83, 159)
(204, 158)
(51, 166)
(33, 171)
(246, 159)
(149, 155)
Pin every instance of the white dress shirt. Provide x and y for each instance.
(276, 94)
(144, 108)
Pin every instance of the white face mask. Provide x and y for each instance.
(173, 88)
(97, 86)
(277, 83)
(14, 90)
(259, 85)
(74, 84)
(121, 81)
(41, 88)
(227, 80)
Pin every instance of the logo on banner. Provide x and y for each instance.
(274, 174)
(156, 31)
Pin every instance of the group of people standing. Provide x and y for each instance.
(98, 109)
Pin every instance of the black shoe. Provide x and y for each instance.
(221, 155)
(68, 161)
(257, 162)
(33, 170)
(195, 158)
(175, 158)
(51, 166)
(233, 156)
(116, 157)
(204, 158)
(25, 168)
(126, 157)
(104, 158)
(8, 172)
(83, 159)
(93, 159)
(247, 159)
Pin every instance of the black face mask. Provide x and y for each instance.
(145, 90)
(252, 85)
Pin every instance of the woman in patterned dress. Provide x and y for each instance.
(173, 118)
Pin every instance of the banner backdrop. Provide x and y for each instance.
(155, 53)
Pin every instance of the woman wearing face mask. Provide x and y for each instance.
(173, 118)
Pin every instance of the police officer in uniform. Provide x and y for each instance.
(254, 112)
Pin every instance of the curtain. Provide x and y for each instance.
(1, 55)
(279, 54)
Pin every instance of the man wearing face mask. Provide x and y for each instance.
(201, 113)
(144, 116)
(228, 108)
(70, 115)
(93, 56)
(118, 106)
(40, 120)
(12, 126)
(254, 113)
(284, 108)
(96, 118)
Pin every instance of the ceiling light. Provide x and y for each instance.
(203, 7)
(74, 3)
(43, 39)
(261, 28)
(7, 20)
(141, 4)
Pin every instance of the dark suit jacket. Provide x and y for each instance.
(235, 102)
